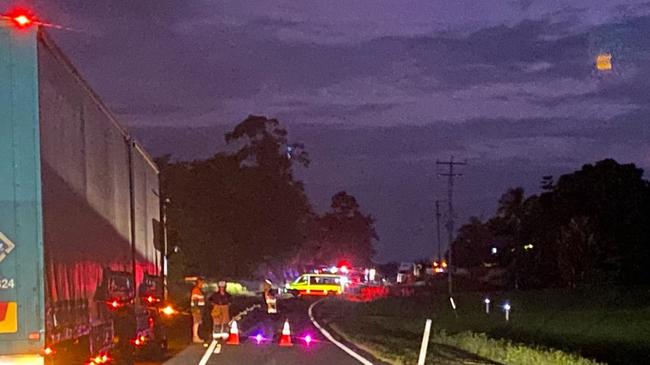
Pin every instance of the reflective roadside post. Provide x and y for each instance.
(487, 305)
(507, 307)
(425, 342)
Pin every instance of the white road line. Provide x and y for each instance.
(215, 347)
(327, 335)
(208, 353)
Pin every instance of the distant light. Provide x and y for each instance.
(334, 269)
(604, 62)
(528, 247)
(494, 250)
(344, 269)
(487, 300)
(506, 307)
(258, 338)
(372, 274)
(308, 339)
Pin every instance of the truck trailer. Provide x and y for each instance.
(80, 256)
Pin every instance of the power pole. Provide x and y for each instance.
(450, 222)
(438, 231)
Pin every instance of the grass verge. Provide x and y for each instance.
(610, 326)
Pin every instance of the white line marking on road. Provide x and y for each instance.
(214, 345)
(208, 353)
(327, 335)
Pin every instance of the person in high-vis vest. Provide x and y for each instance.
(197, 303)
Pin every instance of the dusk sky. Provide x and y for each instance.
(378, 90)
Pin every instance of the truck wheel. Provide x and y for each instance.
(123, 353)
(157, 350)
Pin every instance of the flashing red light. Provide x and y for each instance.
(48, 351)
(20, 17)
(114, 304)
(308, 339)
(22, 21)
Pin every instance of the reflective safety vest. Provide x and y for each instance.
(197, 299)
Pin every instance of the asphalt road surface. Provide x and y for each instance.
(320, 351)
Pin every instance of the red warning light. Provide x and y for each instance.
(21, 18)
(22, 21)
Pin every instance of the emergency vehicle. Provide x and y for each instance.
(317, 284)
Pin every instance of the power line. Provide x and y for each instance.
(450, 204)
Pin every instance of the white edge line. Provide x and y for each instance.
(211, 349)
(327, 335)
(208, 353)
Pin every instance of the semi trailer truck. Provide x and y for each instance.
(80, 256)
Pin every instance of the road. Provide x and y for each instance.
(268, 352)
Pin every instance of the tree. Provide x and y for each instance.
(473, 244)
(577, 253)
(237, 210)
(344, 232)
(616, 201)
(588, 227)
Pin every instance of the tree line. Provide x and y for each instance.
(243, 213)
(589, 227)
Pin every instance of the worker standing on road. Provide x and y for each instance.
(269, 297)
(220, 301)
(197, 304)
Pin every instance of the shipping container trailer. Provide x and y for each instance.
(79, 214)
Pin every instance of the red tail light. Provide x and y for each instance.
(115, 304)
(139, 341)
(151, 299)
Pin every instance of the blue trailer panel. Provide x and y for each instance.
(21, 249)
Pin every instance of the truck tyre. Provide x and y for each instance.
(157, 350)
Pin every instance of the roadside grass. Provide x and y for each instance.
(610, 326)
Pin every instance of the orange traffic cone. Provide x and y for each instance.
(285, 338)
(233, 338)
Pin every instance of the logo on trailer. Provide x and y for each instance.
(6, 246)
